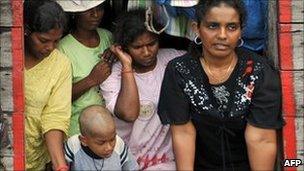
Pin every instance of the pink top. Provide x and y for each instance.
(148, 139)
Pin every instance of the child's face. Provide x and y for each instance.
(102, 144)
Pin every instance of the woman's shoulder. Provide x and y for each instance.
(66, 40)
(105, 36)
(60, 58)
(67, 44)
(104, 32)
(185, 65)
(171, 52)
(167, 54)
(247, 54)
(258, 67)
(99, 29)
(184, 59)
(259, 62)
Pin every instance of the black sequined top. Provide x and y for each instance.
(252, 94)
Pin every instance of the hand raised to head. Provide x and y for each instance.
(124, 57)
(108, 56)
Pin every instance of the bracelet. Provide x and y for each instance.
(127, 71)
(64, 167)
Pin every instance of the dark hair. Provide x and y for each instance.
(203, 7)
(43, 15)
(131, 25)
(73, 16)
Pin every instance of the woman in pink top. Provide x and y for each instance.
(132, 91)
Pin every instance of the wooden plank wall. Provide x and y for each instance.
(11, 80)
(291, 64)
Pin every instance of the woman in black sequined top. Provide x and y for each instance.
(223, 102)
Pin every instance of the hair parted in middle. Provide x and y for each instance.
(203, 7)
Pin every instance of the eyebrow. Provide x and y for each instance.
(209, 22)
(233, 23)
(47, 38)
(43, 37)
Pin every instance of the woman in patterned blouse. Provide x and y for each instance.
(223, 103)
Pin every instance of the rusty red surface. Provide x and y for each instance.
(18, 96)
(286, 56)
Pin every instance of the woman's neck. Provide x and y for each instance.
(218, 69)
(219, 62)
(89, 38)
(141, 70)
(84, 34)
(30, 61)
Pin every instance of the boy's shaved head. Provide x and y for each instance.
(95, 120)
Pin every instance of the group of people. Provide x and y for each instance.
(96, 100)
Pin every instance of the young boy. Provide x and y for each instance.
(98, 147)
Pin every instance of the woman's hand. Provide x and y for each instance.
(108, 56)
(124, 57)
(100, 72)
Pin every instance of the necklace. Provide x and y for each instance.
(211, 74)
(96, 166)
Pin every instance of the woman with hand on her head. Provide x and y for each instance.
(132, 90)
(83, 45)
(48, 86)
(223, 103)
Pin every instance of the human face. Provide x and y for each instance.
(220, 31)
(143, 51)
(40, 45)
(102, 144)
(90, 19)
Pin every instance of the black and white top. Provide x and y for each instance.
(82, 158)
(252, 94)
